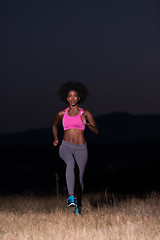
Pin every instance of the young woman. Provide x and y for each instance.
(73, 149)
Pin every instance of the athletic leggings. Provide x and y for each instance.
(72, 153)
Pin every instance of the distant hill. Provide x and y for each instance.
(113, 128)
(124, 127)
(2, 134)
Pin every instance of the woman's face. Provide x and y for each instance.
(73, 97)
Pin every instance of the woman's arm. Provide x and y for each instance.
(56, 121)
(89, 121)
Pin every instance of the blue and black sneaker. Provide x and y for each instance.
(71, 201)
(77, 210)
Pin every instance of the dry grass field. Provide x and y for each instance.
(104, 217)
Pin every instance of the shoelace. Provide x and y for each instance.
(71, 198)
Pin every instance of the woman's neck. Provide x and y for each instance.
(73, 108)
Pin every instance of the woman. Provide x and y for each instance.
(73, 149)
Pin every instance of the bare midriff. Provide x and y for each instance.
(75, 136)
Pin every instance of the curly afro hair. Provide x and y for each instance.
(72, 85)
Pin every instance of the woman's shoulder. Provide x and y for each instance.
(86, 111)
(62, 112)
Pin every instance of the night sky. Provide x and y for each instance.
(113, 47)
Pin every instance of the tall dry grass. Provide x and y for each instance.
(105, 217)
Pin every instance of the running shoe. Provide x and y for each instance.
(71, 201)
(77, 210)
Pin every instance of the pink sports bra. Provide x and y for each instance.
(73, 121)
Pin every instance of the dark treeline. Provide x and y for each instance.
(129, 167)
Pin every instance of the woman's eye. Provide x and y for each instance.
(69, 96)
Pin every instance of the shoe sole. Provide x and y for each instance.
(72, 205)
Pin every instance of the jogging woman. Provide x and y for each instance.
(73, 149)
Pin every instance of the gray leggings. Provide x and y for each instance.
(70, 153)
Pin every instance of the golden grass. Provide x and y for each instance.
(104, 218)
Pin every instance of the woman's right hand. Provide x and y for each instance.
(56, 142)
